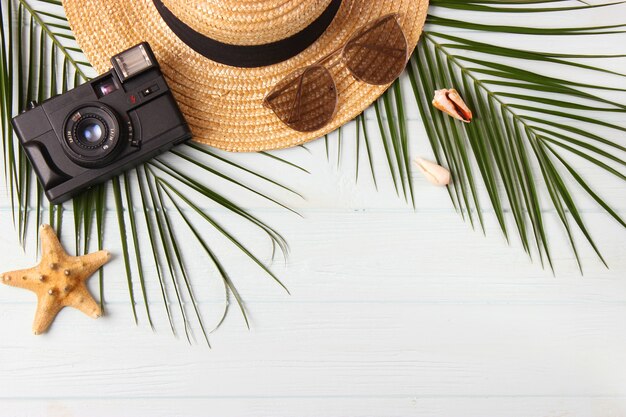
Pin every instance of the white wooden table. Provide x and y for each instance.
(392, 312)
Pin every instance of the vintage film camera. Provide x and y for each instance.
(103, 127)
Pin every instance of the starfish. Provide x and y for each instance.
(59, 280)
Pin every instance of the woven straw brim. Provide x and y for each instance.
(223, 104)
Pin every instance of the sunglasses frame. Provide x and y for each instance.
(322, 63)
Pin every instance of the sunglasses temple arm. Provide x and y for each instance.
(296, 100)
(383, 49)
(365, 30)
(278, 91)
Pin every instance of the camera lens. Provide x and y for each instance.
(92, 135)
(90, 132)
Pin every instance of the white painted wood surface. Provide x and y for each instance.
(392, 312)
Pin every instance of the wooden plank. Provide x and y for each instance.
(327, 350)
(351, 255)
(328, 406)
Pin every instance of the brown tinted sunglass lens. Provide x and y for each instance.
(377, 53)
(306, 100)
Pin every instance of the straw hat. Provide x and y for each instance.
(252, 45)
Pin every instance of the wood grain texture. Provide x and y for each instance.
(392, 312)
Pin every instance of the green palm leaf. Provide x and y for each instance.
(40, 58)
(528, 127)
(516, 129)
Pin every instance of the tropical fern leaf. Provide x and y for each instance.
(39, 58)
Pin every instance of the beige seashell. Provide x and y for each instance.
(434, 173)
(449, 101)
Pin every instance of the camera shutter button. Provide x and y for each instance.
(147, 91)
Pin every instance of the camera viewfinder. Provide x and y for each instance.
(105, 86)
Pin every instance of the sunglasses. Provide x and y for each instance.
(306, 99)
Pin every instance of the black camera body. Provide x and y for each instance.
(103, 127)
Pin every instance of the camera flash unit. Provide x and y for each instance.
(133, 61)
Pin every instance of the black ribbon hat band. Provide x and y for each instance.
(249, 56)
